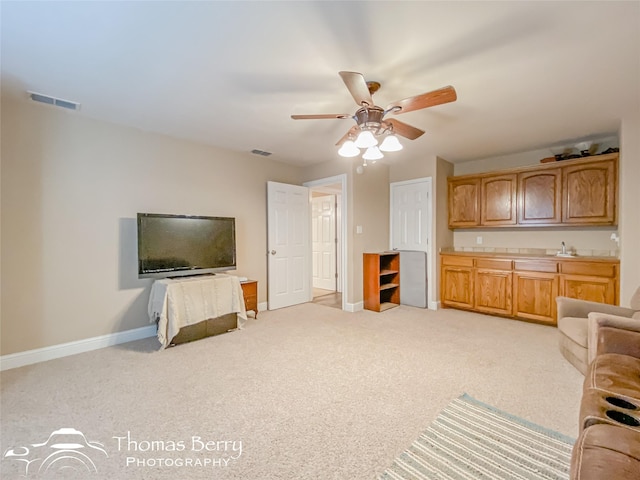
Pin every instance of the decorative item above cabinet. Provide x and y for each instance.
(567, 193)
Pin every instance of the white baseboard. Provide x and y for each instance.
(434, 305)
(354, 307)
(15, 360)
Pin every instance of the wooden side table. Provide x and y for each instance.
(250, 293)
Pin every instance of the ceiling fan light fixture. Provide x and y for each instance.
(390, 144)
(348, 149)
(366, 139)
(372, 153)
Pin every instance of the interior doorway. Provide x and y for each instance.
(328, 240)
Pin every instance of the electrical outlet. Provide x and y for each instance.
(478, 240)
(358, 228)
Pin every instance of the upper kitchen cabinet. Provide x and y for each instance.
(589, 193)
(539, 197)
(563, 193)
(498, 200)
(464, 202)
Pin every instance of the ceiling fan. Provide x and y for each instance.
(370, 118)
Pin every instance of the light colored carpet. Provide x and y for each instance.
(311, 392)
(471, 440)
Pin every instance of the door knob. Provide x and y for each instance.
(273, 252)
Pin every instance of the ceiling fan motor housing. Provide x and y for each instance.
(369, 118)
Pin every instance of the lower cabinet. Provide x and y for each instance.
(535, 296)
(586, 281)
(457, 285)
(456, 282)
(493, 285)
(524, 288)
(596, 289)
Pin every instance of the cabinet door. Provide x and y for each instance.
(498, 200)
(539, 197)
(595, 289)
(464, 202)
(535, 296)
(457, 287)
(493, 291)
(589, 193)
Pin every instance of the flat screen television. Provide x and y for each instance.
(181, 245)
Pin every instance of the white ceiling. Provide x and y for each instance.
(528, 74)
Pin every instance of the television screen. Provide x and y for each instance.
(178, 245)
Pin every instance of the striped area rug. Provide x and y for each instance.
(472, 440)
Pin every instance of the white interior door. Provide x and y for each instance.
(410, 215)
(323, 241)
(289, 246)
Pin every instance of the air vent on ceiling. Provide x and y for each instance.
(260, 152)
(57, 102)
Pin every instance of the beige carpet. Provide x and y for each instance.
(309, 392)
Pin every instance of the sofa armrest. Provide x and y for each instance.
(612, 334)
(573, 307)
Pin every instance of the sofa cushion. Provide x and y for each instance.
(606, 452)
(615, 373)
(574, 328)
(572, 346)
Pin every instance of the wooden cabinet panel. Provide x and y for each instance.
(589, 268)
(535, 296)
(536, 266)
(464, 202)
(250, 294)
(456, 288)
(595, 289)
(457, 261)
(539, 197)
(381, 280)
(494, 264)
(589, 192)
(498, 200)
(493, 291)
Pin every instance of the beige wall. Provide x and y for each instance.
(371, 212)
(629, 207)
(71, 188)
(443, 237)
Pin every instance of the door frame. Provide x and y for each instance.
(342, 225)
(431, 263)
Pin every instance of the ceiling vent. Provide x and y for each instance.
(260, 152)
(56, 102)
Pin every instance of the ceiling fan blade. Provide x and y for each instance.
(404, 129)
(358, 88)
(322, 116)
(430, 99)
(353, 131)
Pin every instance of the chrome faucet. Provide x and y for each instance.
(564, 249)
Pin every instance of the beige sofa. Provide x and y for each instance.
(574, 330)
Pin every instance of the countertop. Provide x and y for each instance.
(531, 256)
